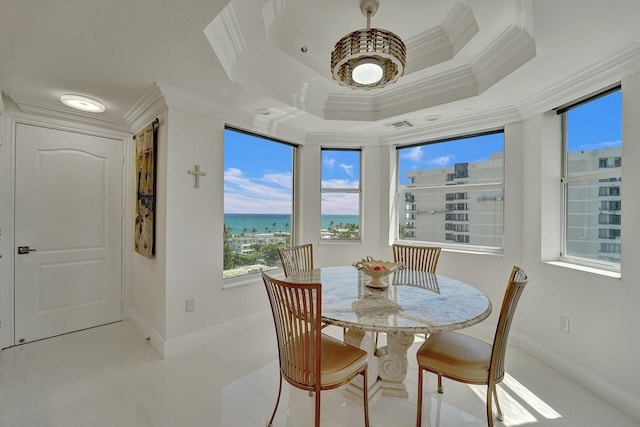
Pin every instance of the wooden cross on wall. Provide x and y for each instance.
(197, 173)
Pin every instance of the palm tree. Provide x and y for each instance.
(254, 230)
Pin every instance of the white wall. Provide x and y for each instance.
(374, 207)
(598, 352)
(146, 288)
(188, 261)
(194, 234)
(602, 347)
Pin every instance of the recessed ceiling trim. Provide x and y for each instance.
(443, 42)
(225, 37)
(449, 86)
(460, 25)
(509, 51)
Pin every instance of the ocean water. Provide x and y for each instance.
(264, 223)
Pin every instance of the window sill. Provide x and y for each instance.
(250, 279)
(586, 269)
(340, 241)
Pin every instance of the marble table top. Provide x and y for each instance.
(414, 302)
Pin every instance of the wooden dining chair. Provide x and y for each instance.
(422, 258)
(296, 258)
(470, 360)
(309, 359)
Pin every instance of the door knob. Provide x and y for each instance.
(24, 250)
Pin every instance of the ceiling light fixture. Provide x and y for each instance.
(83, 103)
(368, 58)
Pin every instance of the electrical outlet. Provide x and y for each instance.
(564, 324)
(189, 305)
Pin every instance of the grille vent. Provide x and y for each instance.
(400, 125)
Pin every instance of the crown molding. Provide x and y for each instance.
(485, 120)
(56, 110)
(445, 87)
(478, 122)
(150, 105)
(342, 139)
(428, 49)
(509, 51)
(460, 25)
(599, 75)
(161, 97)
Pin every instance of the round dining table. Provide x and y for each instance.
(414, 302)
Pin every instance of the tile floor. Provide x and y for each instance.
(109, 376)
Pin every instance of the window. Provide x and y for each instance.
(258, 201)
(592, 180)
(451, 192)
(340, 194)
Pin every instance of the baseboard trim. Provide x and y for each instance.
(196, 339)
(599, 386)
(145, 328)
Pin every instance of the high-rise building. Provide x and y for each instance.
(594, 206)
(463, 204)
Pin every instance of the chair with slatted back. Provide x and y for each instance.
(296, 258)
(470, 360)
(422, 258)
(309, 359)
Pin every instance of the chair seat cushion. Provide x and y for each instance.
(339, 361)
(457, 356)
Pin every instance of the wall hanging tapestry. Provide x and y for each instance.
(145, 157)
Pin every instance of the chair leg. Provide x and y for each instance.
(419, 404)
(489, 405)
(500, 416)
(365, 389)
(440, 389)
(318, 407)
(277, 402)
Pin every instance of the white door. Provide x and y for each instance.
(68, 221)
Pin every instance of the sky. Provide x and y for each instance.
(596, 124)
(258, 176)
(258, 172)
(446, 154)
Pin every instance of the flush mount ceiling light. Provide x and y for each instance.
(368, 58)
(83, 103)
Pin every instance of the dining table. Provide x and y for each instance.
(413, 302)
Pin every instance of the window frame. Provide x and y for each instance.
(230, 282)
(348, 190)
(464, 188)
(567, 178)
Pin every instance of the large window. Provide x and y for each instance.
(340, 204)
(592, 179)
(258, 201)
(451, 192)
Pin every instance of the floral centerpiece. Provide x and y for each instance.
(376, 269)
